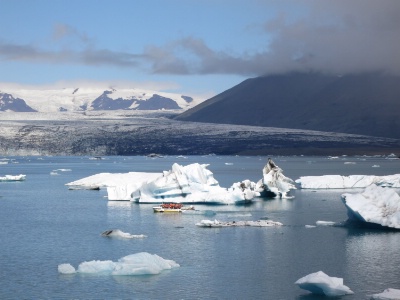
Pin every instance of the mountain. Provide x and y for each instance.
(367, 104)
(85, 99)
(9, 103)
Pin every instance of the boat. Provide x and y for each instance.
(171, 207)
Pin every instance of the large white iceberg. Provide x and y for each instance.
(377, 205)
(320, 283)
(142, 263)
(274, 183)
(388, 294)
(345, 182)
(192, 183)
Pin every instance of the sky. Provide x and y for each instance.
(193, 47)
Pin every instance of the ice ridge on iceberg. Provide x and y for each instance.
(320, 283)
(376, 205)
(345, 182)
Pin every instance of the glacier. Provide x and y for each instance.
(321, 283)
(142, 263)
(375, 205)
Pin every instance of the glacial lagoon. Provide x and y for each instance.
(45, 224)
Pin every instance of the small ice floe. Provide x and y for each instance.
(259, 223)
(376, 166)
(320, 283)
(325, 223)
(310, 226)
(388, 294)
(54, 173)
(376, 205)
(349, 163)
(142, 263)
(63, 170)
(120, 234)
(20, 177)
(229, 164)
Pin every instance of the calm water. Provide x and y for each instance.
(44, 224)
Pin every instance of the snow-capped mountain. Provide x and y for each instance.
(9, 103)
(84, 99)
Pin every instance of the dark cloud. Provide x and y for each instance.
(93, 57)
(338, 36)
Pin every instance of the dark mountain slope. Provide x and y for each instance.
(366, 104)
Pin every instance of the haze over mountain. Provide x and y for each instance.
(366, 103)
(82, 99)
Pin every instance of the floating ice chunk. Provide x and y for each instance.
(310, 226)
(121, 234)
(345, 182)
(259, 223)
(320, 283)
(66, 269)
(375, 205)
(376, 166)
(20, 177)
(388, 294)
(142, 263)
(325, 223)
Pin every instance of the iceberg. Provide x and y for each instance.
(190, 184)
(346, 182)
(274, 183)
(193, 183)
(142, 263)
(388, 294)
(20, 177)
(320, 283)
(376, 205)
(259, 223)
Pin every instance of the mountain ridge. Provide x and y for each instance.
(367, 103)
(82, 99)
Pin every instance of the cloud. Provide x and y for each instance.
(62, 31)
(336, 36)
